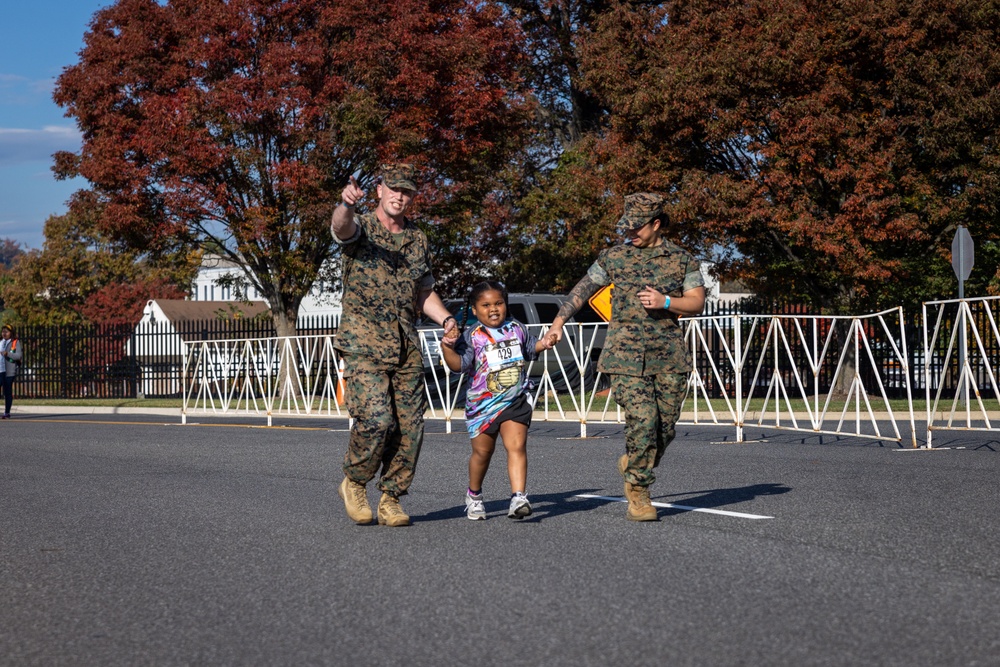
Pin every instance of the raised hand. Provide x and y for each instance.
(352, 193)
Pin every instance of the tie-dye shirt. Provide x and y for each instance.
(495, 360)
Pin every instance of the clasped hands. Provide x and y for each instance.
(451, 336)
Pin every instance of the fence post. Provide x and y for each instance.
(581, 367)
(738, 356)
(184, 390)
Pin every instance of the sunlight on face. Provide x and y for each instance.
(394, 202)
(490, 308)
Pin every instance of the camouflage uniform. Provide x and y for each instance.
(383, 273)
(645, 353)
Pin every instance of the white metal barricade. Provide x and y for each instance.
(800, 366)
(297, 375)
(789, 362)
(961, 336)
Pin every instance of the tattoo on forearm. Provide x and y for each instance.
(578, 296)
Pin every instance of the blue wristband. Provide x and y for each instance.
(666, 304)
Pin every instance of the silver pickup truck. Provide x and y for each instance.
(537, 310)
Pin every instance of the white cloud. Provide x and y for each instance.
(20, 90)
(19, 145)
(43, 87)
(15, 229)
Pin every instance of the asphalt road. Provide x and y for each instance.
(127, 541)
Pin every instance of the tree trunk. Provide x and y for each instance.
(285, 326)
(844, 336)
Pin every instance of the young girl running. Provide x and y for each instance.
(494, 354)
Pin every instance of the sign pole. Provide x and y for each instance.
(963, 252)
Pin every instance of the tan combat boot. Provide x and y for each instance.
(623, 465)
(390, 513)
(639, 507)
(355, 501)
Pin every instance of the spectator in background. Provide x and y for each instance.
(10, 358)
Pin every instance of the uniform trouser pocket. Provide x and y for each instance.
(652, 406)
(387, 404)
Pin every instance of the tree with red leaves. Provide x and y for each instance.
(236, 123)
(830, 148)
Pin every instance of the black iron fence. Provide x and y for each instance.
(122, 360)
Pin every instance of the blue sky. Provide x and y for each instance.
(38, 38)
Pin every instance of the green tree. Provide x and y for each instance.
(80, 276)
(550, 217)
(10, 253)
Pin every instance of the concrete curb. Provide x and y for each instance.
(539, 415)
(90, 410)
(703, 417)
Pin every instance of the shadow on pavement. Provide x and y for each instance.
(543, 505)
(721, 497)
(546, 505)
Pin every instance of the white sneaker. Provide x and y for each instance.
(474, 508)
(519, 506)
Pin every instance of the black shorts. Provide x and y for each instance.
(519, 411)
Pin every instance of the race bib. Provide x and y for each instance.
(504, 353)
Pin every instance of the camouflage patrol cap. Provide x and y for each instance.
(640, 208)
(399, 176)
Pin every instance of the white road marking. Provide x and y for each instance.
(734, 442)
(686, 508)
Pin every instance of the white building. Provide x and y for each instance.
(320, 301)
(162, 336)
(726, 293)
(324, 301)
(160, 342)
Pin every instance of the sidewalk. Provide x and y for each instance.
(90, 410)
(703, 414)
